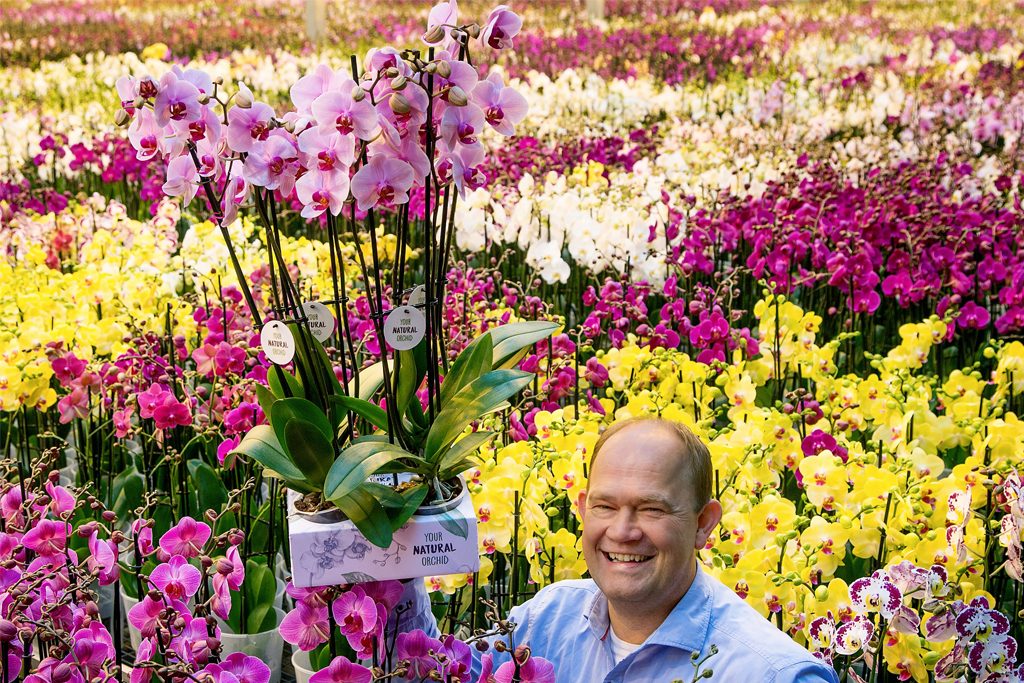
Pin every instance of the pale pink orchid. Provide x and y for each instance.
(444, 14)
(176, 100)
(207, 127)
(336, 112)
(381, 58)
(177, 579)
(249, 126)
(182, 179)
(321, 191)
(145, 135)
(305, 626)
(384, 181)
(502, 26)
(462, 74)
(197, 77)
(273, 164)
(341, 670)
(503, 106)
(326, 152)
(314, 84)
(186, 538)
(462, 125)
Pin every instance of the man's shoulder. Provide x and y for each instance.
(738, 627)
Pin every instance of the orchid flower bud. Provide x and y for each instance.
(358, 94)
(434, 35)
(444, 69)
(243, 99)
(457, 97)
(399, 104)
(398, 83)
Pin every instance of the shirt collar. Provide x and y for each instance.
(686, 626)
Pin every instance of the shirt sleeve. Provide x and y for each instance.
(807, 672)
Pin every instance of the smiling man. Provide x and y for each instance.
(649, 609)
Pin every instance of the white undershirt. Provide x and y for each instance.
(620, 648)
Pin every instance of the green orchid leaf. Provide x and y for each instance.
(512, 341)
(370, 380)
(370, 412)
(407, 380)
(287, 409)
(454, 524)
(473, 362)
(126, 493)
(274, 379)
(412, 499)
(336, 412)
(464, 449)
(211, 494)
(310, 450)
(356, 463)
(368, 515)
(325, 362)
(457, 468)
(261, 444)
(265, 397)
(388, 497)
(477, 398)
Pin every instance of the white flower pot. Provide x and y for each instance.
(267, 646)
(300, 663)
(134, 634)
(327, 552)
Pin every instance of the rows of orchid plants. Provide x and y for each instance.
(795, 228)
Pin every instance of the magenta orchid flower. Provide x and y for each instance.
(47, 537)
(384, 181)
(416, 646)
(502, 26)
(177, 579)
(503, 106)
(462, 125)
(145, 615)
(336, 112)
(176, 100)
(341, 670)
(93, 647)
(355, 612)
(327, 153)
(246, 668)
(103, 558)
(535, 670)
(185, 538)
(305, 626)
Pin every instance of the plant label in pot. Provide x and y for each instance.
(435, 541)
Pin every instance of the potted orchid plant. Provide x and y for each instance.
(379, 150)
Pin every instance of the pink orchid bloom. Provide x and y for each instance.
(74, 406)
(236, 193)
(416, 646)
(313, 597)
(143, 537)
(502, 26)
(328, 152)
(47, 537)
(150, 399)
(145, 135)
(177, 100)
(459, 658)
(247, 127)
(503, 107)
(177, 578)
(172, 412)
(336, 112)
(186, 538)
(272, 164)
(322, 191)
(384, 181)
(145, 615)
(192, 644)
(355, 613)
(123, 421)
(141, 674)
(93, 648)
(387, 593)
(245, 668)
(314, 84)
(342, 670)
(237, 573)
(220, 601)
(305, 626)
(535, 670)
(182, 179)
(197, 77)
(61, 500)
(103, 557)
(445, 14)
(462, 125)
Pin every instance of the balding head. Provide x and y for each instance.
(695, 456)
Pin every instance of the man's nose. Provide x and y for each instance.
(624, 526)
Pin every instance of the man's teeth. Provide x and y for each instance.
(619, 557)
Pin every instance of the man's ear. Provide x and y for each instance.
(708, 518)
(581, 503)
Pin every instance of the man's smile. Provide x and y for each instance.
(624, 558)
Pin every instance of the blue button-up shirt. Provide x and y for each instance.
(567, 624)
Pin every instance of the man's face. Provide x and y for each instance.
(640, 528)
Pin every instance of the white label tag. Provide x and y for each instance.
(321, 320)
(277, 342)
(390, 479)
(404, 328)
(418, 296)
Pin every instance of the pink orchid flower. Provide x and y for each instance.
(342, 670)
(416, 647)
(503, 107)
(247, 127)
(220, 601)
(47, 537)
(336, 112)
(103, 557)
(462, 125)
(444, 14)
(177, 578)
(535, 670)
(246, 668)
(305, 626)
(314, 84)
(145, 135)
(186, 538)
(384, 181)
(355, 612)
(328, 152)
(502, 26)
(176, 100)
(321, 191)
(272, 164)
(93, 647)
(145, 615)
(182, 179)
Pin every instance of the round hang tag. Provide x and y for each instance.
(418, 296)
(277, 342)
(404, 328)
(321, 320)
